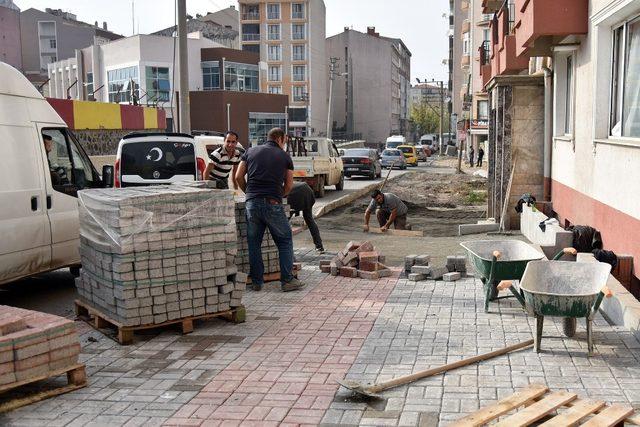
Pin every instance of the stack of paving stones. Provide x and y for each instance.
(357, 260)
(269, 249)
(457, 263)
(154, 254)
(34, 344)
(418, 268)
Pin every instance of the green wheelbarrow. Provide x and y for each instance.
(498, 260)
(570, 290)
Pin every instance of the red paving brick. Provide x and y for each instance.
(288, 375)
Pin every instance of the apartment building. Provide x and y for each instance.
(10, 45)
(54, 34)
(290, 37)
(228, 18)
(562, 78)
(372, 101)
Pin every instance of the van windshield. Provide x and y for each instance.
(158, 160)
(393, 144)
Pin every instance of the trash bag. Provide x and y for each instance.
(606, 256)
(526, 198)
(585, 238)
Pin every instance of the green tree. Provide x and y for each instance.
(425, 118)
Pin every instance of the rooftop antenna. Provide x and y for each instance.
(133, 19)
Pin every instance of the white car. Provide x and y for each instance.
(155, 158)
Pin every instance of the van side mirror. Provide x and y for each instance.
(107, 176)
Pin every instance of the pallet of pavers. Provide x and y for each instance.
(36, 346)
(537, 405)
(158, 256)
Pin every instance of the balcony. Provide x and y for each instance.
(251, 37)
(250, 16)
(544, 23)
(464, 5)
(466, 26)
(510, 62)
(465, 61)
(491, 6)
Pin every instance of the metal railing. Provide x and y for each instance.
(251, 16)
(485, 52)
(250, 37)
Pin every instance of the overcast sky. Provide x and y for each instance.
(419, 23)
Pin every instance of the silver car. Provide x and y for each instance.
(392, 158)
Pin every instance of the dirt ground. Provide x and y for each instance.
(438, 199)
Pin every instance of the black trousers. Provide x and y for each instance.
(307, 215)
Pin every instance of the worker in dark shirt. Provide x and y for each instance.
(302, 199)
(269, 177)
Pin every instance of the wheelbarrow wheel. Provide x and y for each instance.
(569, 326)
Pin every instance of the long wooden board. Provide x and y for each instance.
(503, 406)
(611, 416)
(400, 233)
(579, 410)
(538, 410)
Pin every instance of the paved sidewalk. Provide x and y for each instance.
(281, 365)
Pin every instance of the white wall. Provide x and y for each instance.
(318, 66)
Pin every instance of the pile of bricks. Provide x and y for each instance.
(153, 254)
(418, 267)
(269, 248)
(33, 344)
(357, 260)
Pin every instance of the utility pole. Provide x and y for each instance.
(332, 76)
(184, 110)
(441, 116)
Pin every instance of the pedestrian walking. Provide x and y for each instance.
(480, 156)
(302, 199)
(224, 161)
(269, 177)
(471, 154)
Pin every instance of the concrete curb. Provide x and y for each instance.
(346, 199)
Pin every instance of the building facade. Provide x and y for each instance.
(10, 45)
(53, 34)
(290, 37)
(372, 100)
(228, 18)
(222, 35)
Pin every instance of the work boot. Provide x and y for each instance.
(257, 286)
(292, 285)
(320, 250)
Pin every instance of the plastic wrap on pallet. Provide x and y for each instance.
(155, 254)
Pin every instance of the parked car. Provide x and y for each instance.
(410, 154)
(317, 162)
(361, 161)
(393, 158)
(44, 167)
(422, 153)
(155, 158)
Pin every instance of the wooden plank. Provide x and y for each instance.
(491, 412)
(579, 410)
(49, 374)
(400, 233)
(633, 419)
(538, 410)
(37, 397)
(611, 416)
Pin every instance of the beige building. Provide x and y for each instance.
(290, 37)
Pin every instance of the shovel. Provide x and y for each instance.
(373, 390)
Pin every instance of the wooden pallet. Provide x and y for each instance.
(537, 404)
(274, 277)
(76, 378)
(124, 336)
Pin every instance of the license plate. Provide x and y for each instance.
(352, 169)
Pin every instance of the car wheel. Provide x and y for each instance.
(347, 176)
(340, 184)
(404, 167)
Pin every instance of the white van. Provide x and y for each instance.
(38, 186)
(395, 140)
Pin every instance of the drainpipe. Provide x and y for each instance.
(548, 130)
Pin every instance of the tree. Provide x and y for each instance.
(425, 118)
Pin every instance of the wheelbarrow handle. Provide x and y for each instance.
(504, 284)
(508, 284)
(568, 251)
(605, 292)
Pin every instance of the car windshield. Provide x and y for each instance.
(158, 160)
(391, 153)
(406, 150)
(356, 153)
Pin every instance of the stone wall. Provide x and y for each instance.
(103, 142)
(516, 133)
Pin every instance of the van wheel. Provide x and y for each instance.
(340, 184)
(320, 191)
(75, 271)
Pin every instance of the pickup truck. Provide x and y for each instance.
(317, 162)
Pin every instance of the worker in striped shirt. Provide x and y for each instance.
(224, 160)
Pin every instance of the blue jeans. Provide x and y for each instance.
(260, 216)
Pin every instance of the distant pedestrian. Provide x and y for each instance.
(302, 199)
(471, 154)
(269, 177)
(480, 156)
(224, 161)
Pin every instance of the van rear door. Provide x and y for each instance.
(25, 246)
(146, 163)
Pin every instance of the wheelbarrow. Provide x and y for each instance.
(497, 260)
(570, 290)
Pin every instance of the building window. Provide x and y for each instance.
(273, 32)
(255, 48)
(297, 11)
(625, 87)
(241, 77)
(158, 86)
(261, 123)
(275, 90)
(275, 74)
(89, 86)
(568, 103)
(298, 114)
(298, 32)
(299, 93)
(251, 12)
(122, 83)
(275, 52)
(52, 43)
(299, 52)
(210, 75)
(483, 110)
(273, 11)
(299, 73)
(465, 44)
(250, 32)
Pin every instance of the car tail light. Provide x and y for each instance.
(202, 166)
(365, 161)
(116, 174)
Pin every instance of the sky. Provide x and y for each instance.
(419, 23)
